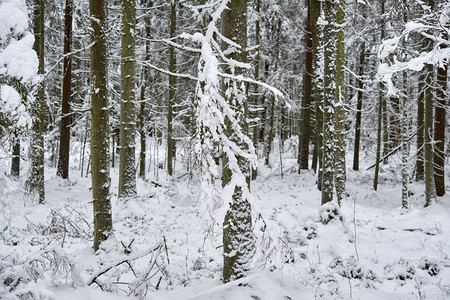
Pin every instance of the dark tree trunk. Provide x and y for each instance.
(439, 131)
(305, 128)
(359, 109)
(15, 162)
(35, 181)
(64, 139)
(420, 170)
(172, 92)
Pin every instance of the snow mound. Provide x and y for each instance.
(262, 285)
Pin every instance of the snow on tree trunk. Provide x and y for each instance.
(99, 124)
(238, 240)
(340, 165)
(430, 191)
(127, 169)
(329, 86)
(35, 181)
(439, 130)
(172, 92)
(317, 80)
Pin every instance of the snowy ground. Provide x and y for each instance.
(378, 250)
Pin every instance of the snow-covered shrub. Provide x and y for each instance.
(23, 277)
(351, 268)
(310, 229)
(402, 270)
(330, 211)
(430, 265)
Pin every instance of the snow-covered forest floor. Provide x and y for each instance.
(165, 248)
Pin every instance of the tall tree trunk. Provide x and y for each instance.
(404, 120)
(172, 92)
(340, 165)
(420, 171)
(319, 93)
(379, 137)
(439, 130)
(395, 122)
(270, 131)
(143, 106)
(359, 108)
(64, 139)
(270, 125)
(328, 105)
(317, 88)
(305, 128)
(381, 114)
(127, 169)
(99, 124)
(256, 97)
(430, 190)
(238, 243)
(35, 181)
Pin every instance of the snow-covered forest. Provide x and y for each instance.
(224, 149)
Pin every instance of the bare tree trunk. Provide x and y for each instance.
(99, 124)
(172, 92)
(328, 105)
(430, 191)
(340, 161)
(439, 131)
(420, 171)
(64, 139)
(317, 88)
(143, 106)
(359, 108)
(256, 96)
(238, 241)
(305, 128)
(381, 115)
(127, 168)
(15, 161)
(35, 181)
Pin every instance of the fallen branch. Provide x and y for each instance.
(123, 260)
(394, 150)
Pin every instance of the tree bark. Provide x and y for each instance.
(172, 92)
(381, 114)
(328, 105)
(340, 164)
(420, 171)
(15, 161)
(127, 169)
(238, 241)
(430, 191)
(256, 97)
(317, 88)
(143, 106)
(305, 128)
(35, 181)
(99, 124)
(439, 130)
(359, 108)
(64, 139)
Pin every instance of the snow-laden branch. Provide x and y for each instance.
(439, 55)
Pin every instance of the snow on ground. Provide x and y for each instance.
(377, 251)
